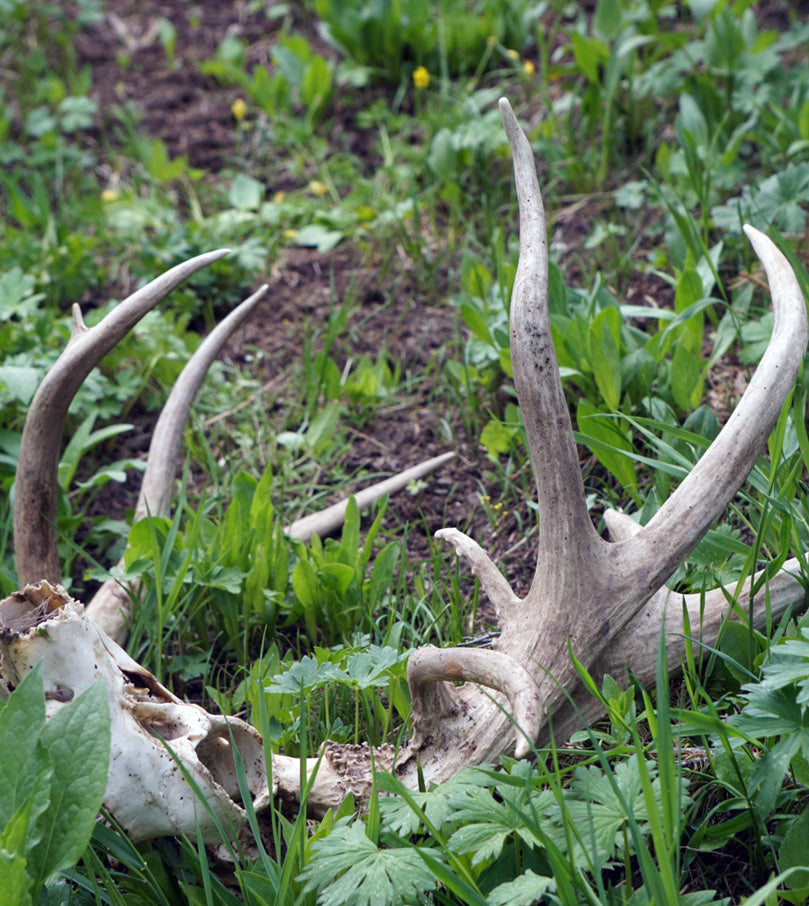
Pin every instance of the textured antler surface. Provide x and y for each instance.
(35, 548)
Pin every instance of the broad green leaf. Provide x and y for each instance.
(794, 850)
(25, 764)
(370, 668)
(525, 890)
(438, 803)
(338, 577)
(488, 819)
(319, 237)
(20, 381)
(689, 292)
(605, 355)
(602, 434)
(15, 882)
(498, 438)
(350, 537)
(321, 432)
(78, 739)
(596, 808)
(476, 322)
(246, 193)
(590, 54)
(348, 868)
(686, 378)
(17, 296)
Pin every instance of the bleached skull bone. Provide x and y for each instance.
(154, 733)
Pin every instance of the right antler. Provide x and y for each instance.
(35, 494)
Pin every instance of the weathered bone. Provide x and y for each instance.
(35, 545)
(146, 791)
(606, 601)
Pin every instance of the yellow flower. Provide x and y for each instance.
(279, 197)
(316, 187)
(421, 78)
(290, 234)
(239, 109)
(110, 195)
(514, 54)
(528, 67)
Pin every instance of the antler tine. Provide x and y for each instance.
(565, 524)
(657, 549)
(35, 546)
(109, 607)
(330, 519)
(164, 450)
(430, 668)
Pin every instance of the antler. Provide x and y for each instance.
(35, 547)
(604, 601)
(35, 543)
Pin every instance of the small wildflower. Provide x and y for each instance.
(110, 195)
(528, 67)
(318, 188)
(239, 109)
(290, 234)
(421, 78)
(279, 197)
(514, 54)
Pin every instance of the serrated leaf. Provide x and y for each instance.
(303, 676)
(370, 667)
(596, 808)
(438, 803)
(488, 822)
(77, 737)
(348, 868)
(21, 381)
(522, 891)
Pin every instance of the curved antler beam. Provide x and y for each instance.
(430, 670)
(701, 498)
(35, 488)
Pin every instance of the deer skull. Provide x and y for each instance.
(604, 600)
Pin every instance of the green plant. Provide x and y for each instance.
(393, 38)
(303, 79)
(47, 806)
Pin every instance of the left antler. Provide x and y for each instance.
(35, 495)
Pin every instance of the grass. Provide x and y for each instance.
(658, 131)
